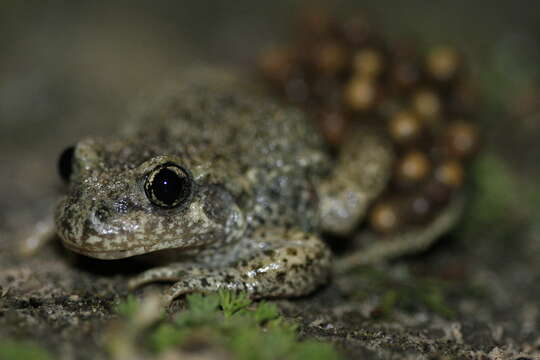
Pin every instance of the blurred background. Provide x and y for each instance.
(70, 69)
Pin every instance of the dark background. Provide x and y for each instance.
(69, 69)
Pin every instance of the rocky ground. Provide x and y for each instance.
(63, 75)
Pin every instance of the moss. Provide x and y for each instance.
(232, 303)
(128, 307)
(228, 321)
(409, 293)
(265, 312)
(501, 203)
(19, 350)
(496, 191)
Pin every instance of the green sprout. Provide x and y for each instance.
(229, 320)
(232, 302)
(127, 308)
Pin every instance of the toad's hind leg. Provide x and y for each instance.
(373, 249)
(363, 169)
(273, 263)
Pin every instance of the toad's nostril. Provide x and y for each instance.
(102, 214)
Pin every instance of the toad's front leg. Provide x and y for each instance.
(271, 263)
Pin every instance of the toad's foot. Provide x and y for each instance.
(171, 272)
(38, 235)
(275, 263)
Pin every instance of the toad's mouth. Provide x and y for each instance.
(107, 254)
(114, 254)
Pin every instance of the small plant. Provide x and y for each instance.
(230, 321)
(202, 309)
(407, 292)
(226, 320)
(231, 302)
(127, 308)
(266, 312)
(22, 350)
(166, 336)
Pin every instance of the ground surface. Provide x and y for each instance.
(63, 75)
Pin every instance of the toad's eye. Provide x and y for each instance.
(65, 163)
(168, 186)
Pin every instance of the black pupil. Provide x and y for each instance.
(169, 187)
(65, 163)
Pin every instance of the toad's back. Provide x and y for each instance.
(248, 131)
(264, 153)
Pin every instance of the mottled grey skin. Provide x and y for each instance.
(264, 190)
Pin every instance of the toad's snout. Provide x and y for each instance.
(86, 226)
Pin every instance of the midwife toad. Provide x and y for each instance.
(240, 186)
